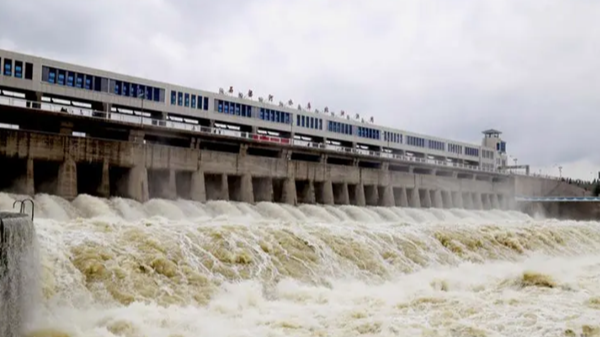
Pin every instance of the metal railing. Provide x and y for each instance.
(148, 121)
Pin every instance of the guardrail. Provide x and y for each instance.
(144, 120)
(557, 199)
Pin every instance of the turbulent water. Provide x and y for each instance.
(172, 268)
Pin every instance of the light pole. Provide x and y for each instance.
(560, 172)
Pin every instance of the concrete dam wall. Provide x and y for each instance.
(68, 166)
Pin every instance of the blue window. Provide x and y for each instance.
(8, 67)
(237, 109)
(125, 89)
(262, 114)
(187, 99)
(194, 101)
(88, 82)
(148, 95)
(118, 86)
(133, 90)
(220, 106)
(206, 103)
(61, 77)
(173, 97)
(70, 79)
(226, 106)
(19, 69)
(179, 98)
(52, 76)
(79, 81)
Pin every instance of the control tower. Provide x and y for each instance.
(492, 140)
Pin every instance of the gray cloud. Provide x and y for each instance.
(450, 69)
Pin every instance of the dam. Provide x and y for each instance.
(165, 213)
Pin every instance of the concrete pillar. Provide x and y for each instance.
(224, 187)
(457, 199)
(341, 195)
(67, 179)
(467, 200)
(29, 188)
(360, 195)
(137, 184)
(477, 201)
(289, 191)
(263, 189)
(171, 186)
(308, 193)
(494, 201)
(371, 195)
(388, 197)
(104, 188)
(414, 198)
(198, 187)
(447, 199)
(437, 199)
(327, 193)
(246, 189)
(403, 198)
(485, 200)
(425, 198)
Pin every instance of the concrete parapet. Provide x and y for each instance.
(67, 179)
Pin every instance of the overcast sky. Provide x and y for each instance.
(446, 68)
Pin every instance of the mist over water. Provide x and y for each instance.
(115, 267)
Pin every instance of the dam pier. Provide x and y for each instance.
(68, 130)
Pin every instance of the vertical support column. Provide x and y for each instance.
(457, 199)
(198, 187)
(171, 187)
(467, 200)
(388, 196)
(425, 198)
(246, 189)
(327, 192)
(447, 199)
(415, 199)
(360, 195)
(477, 202)
(485, 200)
(308, 194)
(403, 198)
(371, 195)
(263, 189)
(104, 188)
(437, 199)
(137, 184)
(224, 187)
(29, 188)
(341, 195)
(494, 203)
(67, 179)
(289, 191)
